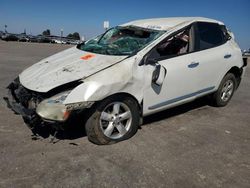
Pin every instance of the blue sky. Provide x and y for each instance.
(86, 17)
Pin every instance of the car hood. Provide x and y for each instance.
(64, 67)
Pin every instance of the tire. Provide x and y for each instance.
(225, 91)
(113, 120)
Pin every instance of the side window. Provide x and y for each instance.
(210, 35)
(175, 45)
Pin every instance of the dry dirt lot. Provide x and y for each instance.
(194, 145)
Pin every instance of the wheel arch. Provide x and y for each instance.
(237, 72)
(124, 95)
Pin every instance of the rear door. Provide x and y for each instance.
(213, 53)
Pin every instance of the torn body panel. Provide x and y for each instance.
(111, 81)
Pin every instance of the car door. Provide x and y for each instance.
(213, 53)
(176, 75)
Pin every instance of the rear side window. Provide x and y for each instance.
(209, 35)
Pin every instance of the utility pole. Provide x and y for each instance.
(5, 26)
(61, 35)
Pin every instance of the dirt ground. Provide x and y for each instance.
(194, 145)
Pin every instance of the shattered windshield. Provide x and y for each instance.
(121, 41)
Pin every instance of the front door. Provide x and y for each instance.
(179, 84)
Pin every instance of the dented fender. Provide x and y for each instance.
(119, 78)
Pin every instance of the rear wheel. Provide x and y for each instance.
(113, 120)
(225, 91)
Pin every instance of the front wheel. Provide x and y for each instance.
(113, 120)
(225, 91)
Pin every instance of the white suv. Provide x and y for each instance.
(131, 71)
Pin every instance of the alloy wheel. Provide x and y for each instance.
(115, 120)
(227, 90)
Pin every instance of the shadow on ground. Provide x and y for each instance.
(75, 128)
(70, 131)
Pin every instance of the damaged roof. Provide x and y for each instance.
(167, 23)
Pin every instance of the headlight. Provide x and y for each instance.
(54, 109)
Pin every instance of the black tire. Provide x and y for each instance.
(93, 126)
(217, 96)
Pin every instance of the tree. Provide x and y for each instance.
(75, 36)
(46, 32)
(69, 35)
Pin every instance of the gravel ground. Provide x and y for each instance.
(194, 145)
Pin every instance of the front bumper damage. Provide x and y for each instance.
(24, 102)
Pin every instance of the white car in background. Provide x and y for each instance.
(131, 71)
(58, 41)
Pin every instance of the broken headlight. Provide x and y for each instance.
(53, 108)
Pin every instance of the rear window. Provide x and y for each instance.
(210, 35)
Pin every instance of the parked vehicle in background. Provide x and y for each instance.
(23, 38)
(56, 41)
(129, 72)
(9, 37)
(1, 33)
(246, 52)
(73, 42)
(33, 39)
(39, 38)
(44, 39)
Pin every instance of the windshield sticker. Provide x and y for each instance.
(87, 56)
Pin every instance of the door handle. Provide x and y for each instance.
(193, 64)
(227, 56)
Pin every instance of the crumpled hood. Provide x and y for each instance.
(64, 67)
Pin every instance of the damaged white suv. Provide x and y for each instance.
(131, 71)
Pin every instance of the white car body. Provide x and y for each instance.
(187, 76)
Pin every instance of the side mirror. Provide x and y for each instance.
(159, 74)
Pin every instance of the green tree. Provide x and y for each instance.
(69, 36)
(75, 36)
(46, 32)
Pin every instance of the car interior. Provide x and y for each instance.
(181, 43)
(176, 45)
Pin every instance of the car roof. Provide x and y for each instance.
(167, 23)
